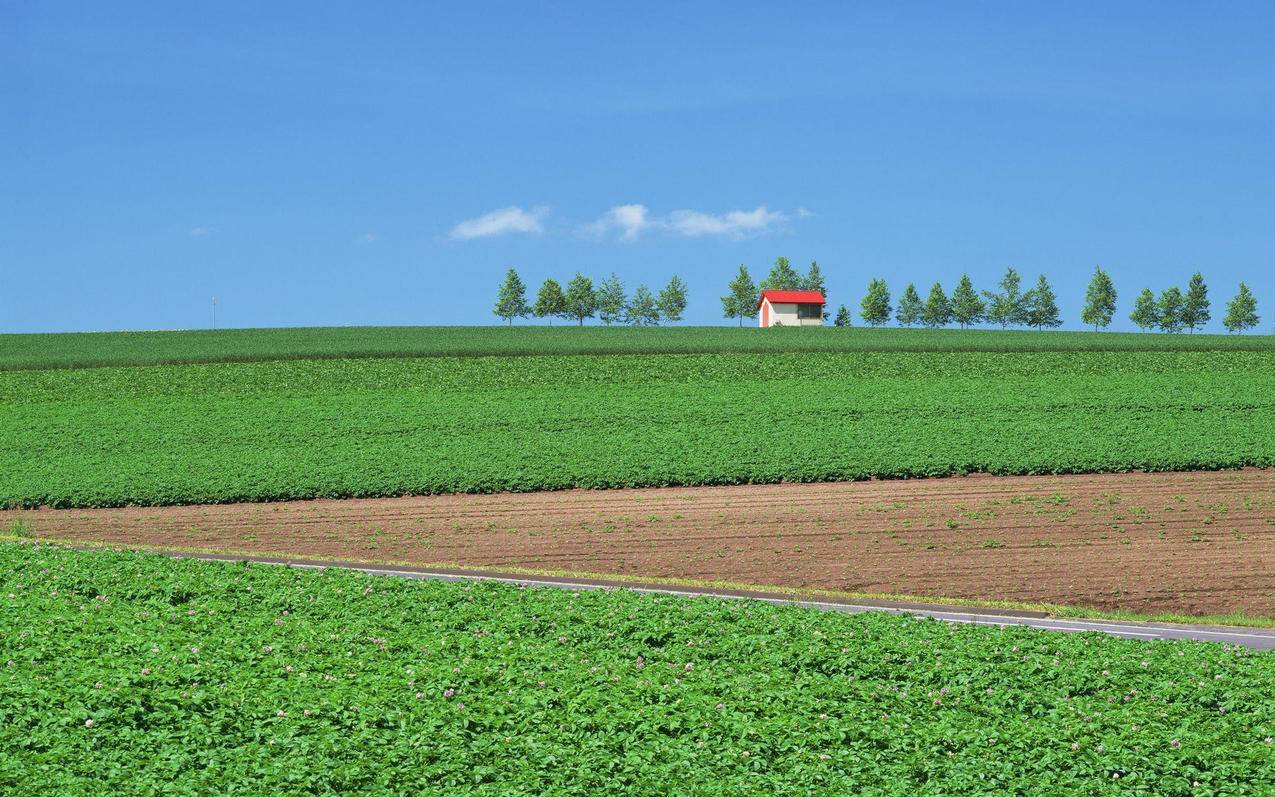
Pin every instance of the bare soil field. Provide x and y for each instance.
(1190, 543)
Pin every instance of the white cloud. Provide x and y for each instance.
(369, 238)
(630, 220)
(501, 222)
(734, 223)
(200, 232)
(633, 220)
(803, 213)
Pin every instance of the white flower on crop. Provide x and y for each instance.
(88, 723)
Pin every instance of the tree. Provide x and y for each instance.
(741, 302)
(1169, 309)
(875, 307)
(511, 300)
(643, 310)
(672, 300)
(550, 301)
(843, 317)
(1241, 312)
(782, 277)
(1146, 313)
(1008, 306)
(813, 281)
(1100, 300)
(910, 308)
(1195, 308)
(582, 300)
(938, 310)
(611, 300)
(1042, 305)
(967, 308)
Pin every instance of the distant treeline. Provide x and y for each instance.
(1010, 306)
(1037, 307)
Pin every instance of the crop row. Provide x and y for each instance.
(271, 431)
(72, 350)
(130, 673)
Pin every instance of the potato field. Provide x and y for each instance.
(132, 673)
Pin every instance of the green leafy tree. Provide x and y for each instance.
(782, 277)
(1009, 306)
(582, 300)
(1195, 307)
(938, 310)
(1169, 309)
(1241, 312)
(843, 317)
(550, 301)
(1146, 313)
(967, 308)
(672, 300)
(875, 307)
(741, 301)
(611, 300)
(643, 309)
(813, 281)
(511, 299)
(1100, 300)
(910, 307)
(1042, 305)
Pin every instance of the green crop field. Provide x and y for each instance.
(370, 427)
(252, 345)
(127, 673)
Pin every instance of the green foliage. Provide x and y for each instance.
(511, 300)
(1195, 306)
(813, 281)
(741, 301)
(1009, 307)
(1146, 312)
(343, 428)
(1169, 309)
(550, 301)
(611, 300)
(910, 308)
(582, 300)
(938, 310)
(133, 674)
(643, 309)
(1042, 305)
(967, 308)
(95, 349)
(875, 307)
(843, 317)
(1241, 312)
(782, 277)
(672, 300)
(1100, 300)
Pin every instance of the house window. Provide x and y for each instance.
(809, 311)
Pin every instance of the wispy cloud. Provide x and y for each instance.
(501, 222)
(369, 238)
(200, 232)
(632, 220)
(732, 224)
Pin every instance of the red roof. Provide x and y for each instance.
(791, 297)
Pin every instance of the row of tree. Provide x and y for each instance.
(581, 300)
(1010, 306)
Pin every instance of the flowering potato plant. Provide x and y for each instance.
(133, 674)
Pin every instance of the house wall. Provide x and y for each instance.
(786, 313)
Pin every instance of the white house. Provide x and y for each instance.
(790, 308)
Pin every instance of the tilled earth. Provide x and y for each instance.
(1193, 543)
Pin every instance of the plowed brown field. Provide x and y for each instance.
(1193, 543)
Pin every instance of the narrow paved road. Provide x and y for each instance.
(1257, 638)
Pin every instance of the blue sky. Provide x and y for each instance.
(317, 163)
